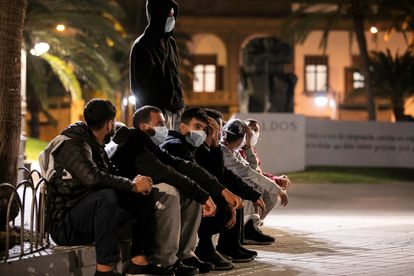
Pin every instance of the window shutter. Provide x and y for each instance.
(219, 78)
(349, 80)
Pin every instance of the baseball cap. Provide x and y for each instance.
(235, 127)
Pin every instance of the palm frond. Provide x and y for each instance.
(66, 75)
(393, 76)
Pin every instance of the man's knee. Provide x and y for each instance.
(167, 189)
(196, 207)
(107, 198)
(168, 198)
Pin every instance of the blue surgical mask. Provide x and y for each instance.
(169, 24)
(196, 138)
(161, 133)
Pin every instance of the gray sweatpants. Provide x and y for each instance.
(177, 221)
(269, 195)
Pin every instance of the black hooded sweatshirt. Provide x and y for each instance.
(154, 61)
(213, 161)
(82, 166)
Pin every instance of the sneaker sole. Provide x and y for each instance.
(246, 260)
(143, 274)
(243, 260)
(223, 268)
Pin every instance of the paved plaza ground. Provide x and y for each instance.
(339, 229)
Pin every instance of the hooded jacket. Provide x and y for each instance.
(239, 166)
(207, 181)
(213, 161)
(76, 165)
(154, 61)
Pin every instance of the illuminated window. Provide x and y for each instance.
(354, 79)
(358, 80)
(208, 75)
(316, 73)
(204, 78)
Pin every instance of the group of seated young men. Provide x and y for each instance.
(171, 190)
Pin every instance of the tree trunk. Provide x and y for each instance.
(34, 125)
(12, 13)
(398, 113)
(398, 110)
(358, 20)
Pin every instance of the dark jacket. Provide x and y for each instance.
(136, 153)
(80, 167)
(154, 61)
(213, 161)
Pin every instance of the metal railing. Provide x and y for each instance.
(35, 237)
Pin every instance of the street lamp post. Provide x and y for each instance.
(22, 146)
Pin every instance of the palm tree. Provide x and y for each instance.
(12, 14)
(82, 57)
(91, 55)
(393, 78)
(400, 13)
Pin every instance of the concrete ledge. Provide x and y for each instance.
(60, 261)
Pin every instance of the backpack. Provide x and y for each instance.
(46, 160)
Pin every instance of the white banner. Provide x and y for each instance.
(369, 144)
(282, 145)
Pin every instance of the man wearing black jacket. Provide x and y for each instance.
(154, 62)
(87, 202)
(229, 241)
(138, 152)
(193, 144)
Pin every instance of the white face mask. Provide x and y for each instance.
(161, 133)
(196, 138)
(254, 139)
(169, 24)
(242, 144)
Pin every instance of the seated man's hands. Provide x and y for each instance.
(209, 208)
(260, 207)
(213, 139)
(142, 184)
(283, 197)
(233, 200)
(284, 181)
(233, 218)
(249, 133)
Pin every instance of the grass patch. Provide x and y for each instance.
(33, 148)
(352, 175)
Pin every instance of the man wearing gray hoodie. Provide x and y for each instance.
(233, 140)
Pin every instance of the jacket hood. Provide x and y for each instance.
(175, 135)
(80, 130)
(157, 13)
(122, 134)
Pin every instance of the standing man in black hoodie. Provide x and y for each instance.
(154, 61)
(87, 202)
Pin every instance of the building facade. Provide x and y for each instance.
(220, 31)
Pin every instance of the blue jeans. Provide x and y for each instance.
(97, 218)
